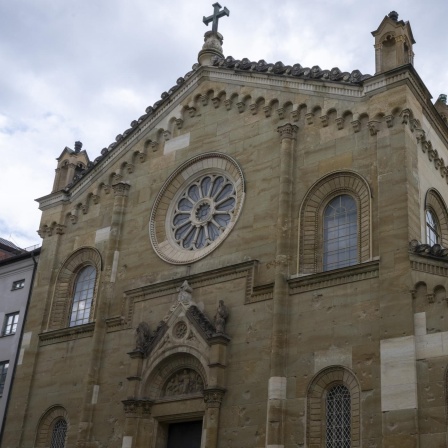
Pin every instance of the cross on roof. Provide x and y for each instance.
(217, 14)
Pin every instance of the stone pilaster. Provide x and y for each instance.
(213, 398)
(277, 380)
(103, 298)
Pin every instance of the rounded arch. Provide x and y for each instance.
(311, 217)
(158, 376)
(435, 204)
(66, 276)
(317, 392)
(46, 424)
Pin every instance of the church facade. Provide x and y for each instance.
(258, 261)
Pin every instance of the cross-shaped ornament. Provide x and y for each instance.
(217, 14)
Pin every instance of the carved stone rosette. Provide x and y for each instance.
(137, 408)
(213, 397)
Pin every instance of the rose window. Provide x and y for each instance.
(203, 211)
(196, 208)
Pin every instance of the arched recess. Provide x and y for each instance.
(318, 389)
(435, 203)
(46, 424)
(158, 378)
(311, 217)
(63, 292)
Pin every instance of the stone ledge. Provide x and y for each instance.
(362, 271)
(66, 334)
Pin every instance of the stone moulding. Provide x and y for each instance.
(356, 273)
(245, 270)
(429, 266)
(66, 334)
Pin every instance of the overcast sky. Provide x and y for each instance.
(84, 69)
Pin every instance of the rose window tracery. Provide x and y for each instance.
(196, 208)
(203, 211)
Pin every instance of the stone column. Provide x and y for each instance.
(213, 399)
(104, 297)
(277, 380)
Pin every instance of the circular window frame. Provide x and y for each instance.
(160, 231)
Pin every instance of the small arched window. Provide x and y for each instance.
(59, 434)
(432, 228)
(83, 296)
(338, 413)
(340, 227)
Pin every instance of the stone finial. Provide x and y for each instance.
(212, 39)
(78, 146)
(393, 15)
(212, 47)
(217, 14)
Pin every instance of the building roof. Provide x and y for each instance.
(9, 244)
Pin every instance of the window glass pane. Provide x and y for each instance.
(432, 229)
(338, 433)
(82, 297)
(340, 240)
(4, 366)
(11, 321)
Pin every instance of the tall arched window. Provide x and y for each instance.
(59, 434)
(335, 223)
(340, 239)
(338, 412)
(83, 296)
(432, 228)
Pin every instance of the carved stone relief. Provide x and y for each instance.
(183, 382)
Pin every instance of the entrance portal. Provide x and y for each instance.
(185, 435)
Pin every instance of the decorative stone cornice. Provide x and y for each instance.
(341, 276)
(213, 397)
(134, 408)
(436, 251)
(67, 334)
(288, 131)
(297, 71)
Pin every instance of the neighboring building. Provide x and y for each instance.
(243, 267)
(17, 268)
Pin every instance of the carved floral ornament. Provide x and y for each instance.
(197, 208)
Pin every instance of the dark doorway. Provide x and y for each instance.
(185, 435)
